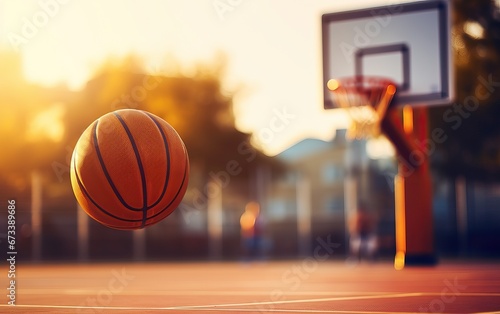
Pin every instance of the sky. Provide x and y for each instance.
(273, 50)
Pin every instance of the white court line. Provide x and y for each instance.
(401, 295)
(197, 292)
(219, 306)
(238, 293)
(225, 307)
(123, 308)
(464, 294)
(303, 311)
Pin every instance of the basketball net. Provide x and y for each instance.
(366, 99)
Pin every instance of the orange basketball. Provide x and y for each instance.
(129, 169)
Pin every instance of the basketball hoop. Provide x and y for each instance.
(366, 99)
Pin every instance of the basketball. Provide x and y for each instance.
(129, 169)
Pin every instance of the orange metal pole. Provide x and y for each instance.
(413, 187)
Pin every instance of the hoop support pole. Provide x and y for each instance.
(413, 190)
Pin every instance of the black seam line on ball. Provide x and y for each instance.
(106, 173)
(82, 188)
(167, 155)
(176, 194)
(141, 170)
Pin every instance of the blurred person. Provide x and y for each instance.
(251, 231)
(362, 236)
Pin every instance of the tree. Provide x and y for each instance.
(195, 106)
(472, 147)
(30, 121)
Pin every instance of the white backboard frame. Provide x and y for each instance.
(416, 35)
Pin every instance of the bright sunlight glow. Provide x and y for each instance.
(47, 125)
(273, 51)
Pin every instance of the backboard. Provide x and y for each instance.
(408, 43)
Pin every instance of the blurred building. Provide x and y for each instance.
(323, 184)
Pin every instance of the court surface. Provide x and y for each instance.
(299, 286)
